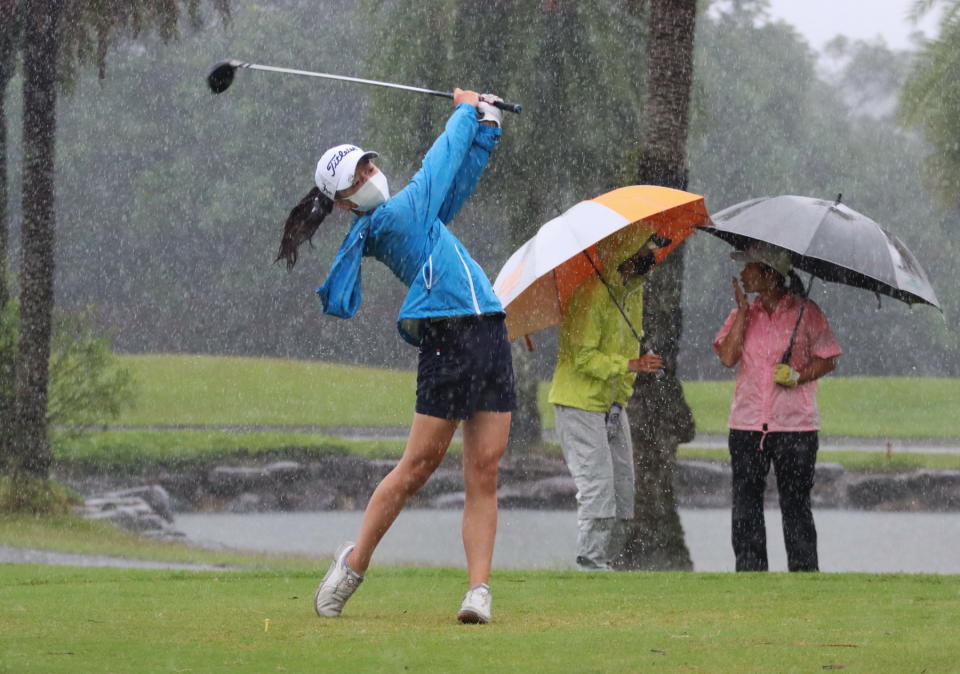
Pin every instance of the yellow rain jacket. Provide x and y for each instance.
(595, 341)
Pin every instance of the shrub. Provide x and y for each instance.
(32, 495)
(86, 387)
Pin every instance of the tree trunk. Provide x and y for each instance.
(30, 443)
(8, 32)
(526, 426)
(526, 429)
(659, 415)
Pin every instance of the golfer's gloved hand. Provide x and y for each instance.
(613, 417)
(487, 112)
(784, 375)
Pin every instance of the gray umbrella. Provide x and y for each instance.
(830, 241)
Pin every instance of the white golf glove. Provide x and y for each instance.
(487, 112)
(784, 375)
(613, 417)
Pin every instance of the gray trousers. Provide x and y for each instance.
(601, 463)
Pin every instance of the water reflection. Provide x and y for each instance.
(534, 539)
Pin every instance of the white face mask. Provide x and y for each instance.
(373, 193)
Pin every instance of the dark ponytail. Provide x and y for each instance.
(302, 223)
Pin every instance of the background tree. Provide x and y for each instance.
(175, 195)
(660, 417)
(930, 99)
(30, 447)
(570, 64)
(808, 135)
(9, 37)
(56, 35)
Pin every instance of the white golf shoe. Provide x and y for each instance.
(338, 585)
(476, 605)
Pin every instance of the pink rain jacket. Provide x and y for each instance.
(759, 404)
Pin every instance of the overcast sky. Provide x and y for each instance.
(821, 20)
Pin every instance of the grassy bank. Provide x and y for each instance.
(87, 537)
(58, 619)
(126, 450)
(117, 449)
(226, 391)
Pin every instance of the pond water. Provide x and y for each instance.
(849, 540)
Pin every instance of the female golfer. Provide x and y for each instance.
(774, 417)
(465, 372)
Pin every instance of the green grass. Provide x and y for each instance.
(115, 449)
(87, 537)
(884, 407)
(58, 619)
(853, 460)
(226, 391)
(135, 450)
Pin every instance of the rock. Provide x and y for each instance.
(248, 502)
(154, 495)
(131, 513)
(829, 486)
(285, 472)
(340, 482)
(937, 490)
(232, 480)
(453, 500)
(443, 481)
(829, 473)
(702, 484)
(552, 493)
(921, 490)
(530, 467)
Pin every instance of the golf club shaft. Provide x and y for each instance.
(509, 107)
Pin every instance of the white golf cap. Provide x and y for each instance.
(337, 166)
(775, 257)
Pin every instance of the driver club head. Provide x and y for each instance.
(221, 76)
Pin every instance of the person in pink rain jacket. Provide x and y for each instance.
(773, 416)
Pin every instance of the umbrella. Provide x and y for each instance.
(537, 280)
(830, 241)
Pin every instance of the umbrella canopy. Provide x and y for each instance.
(537, 280)
(830, 241)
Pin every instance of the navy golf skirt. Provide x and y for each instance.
(465, 366)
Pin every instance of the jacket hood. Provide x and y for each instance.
(621, 246)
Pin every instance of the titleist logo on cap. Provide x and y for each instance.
(337, 158)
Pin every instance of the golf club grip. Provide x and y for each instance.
(509, 107)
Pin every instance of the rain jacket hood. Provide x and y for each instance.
(408, 234)
(595, 341)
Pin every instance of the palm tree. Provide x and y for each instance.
(930, 99)
(58, 35)
(660, 416)
(31, 449)
(9, 31)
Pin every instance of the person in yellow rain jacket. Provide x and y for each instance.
(597, 364)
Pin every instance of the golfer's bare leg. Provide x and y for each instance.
(484, 441)
(428, 442)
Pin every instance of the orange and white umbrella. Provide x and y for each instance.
(538, 279)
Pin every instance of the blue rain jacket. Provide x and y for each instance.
(408, 233)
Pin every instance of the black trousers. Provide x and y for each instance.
(794, 457)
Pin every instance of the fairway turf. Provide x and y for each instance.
(55, 619)
(223, 391)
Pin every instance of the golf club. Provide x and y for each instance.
(222, 73)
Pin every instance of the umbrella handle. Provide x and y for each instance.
(785, 359)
